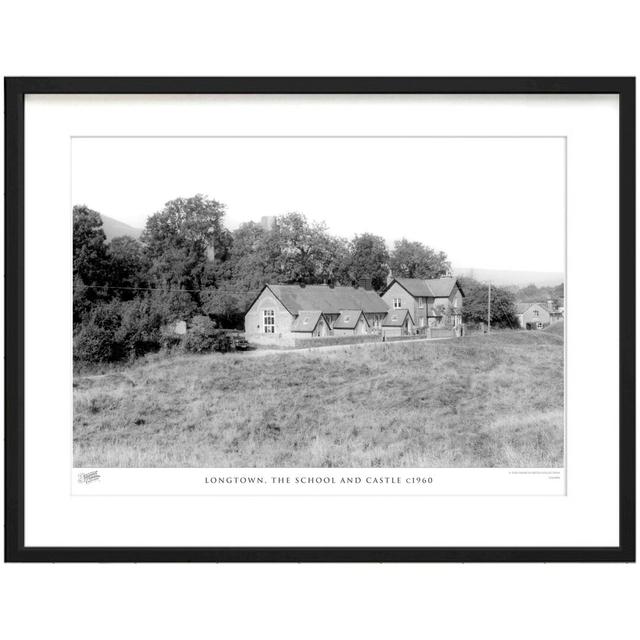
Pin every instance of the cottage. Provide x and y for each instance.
(282, 312)
(431, 302)
(556, 312)
(351, 322)
(398, 322)
(532, 315)
(311, 324)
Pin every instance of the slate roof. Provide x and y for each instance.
(297, 298)
(416, 287)
(432, 288)
(396, 318)
(348, 319)
(306, 321)
(442, 287)
(521, 307)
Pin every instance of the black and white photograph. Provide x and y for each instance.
(319, 301)
(320, 319)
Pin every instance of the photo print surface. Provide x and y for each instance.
(318, 302)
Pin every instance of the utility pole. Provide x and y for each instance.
(489, 310)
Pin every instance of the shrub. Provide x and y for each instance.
(139, 330)
(203, 336)
(96, 340)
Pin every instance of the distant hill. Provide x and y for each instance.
(504, 277)
(114, 228)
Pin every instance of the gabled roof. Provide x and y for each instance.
(297, 298)
(348, 319)
(415, 286)
(428, 288)
(306, 321)
(396, 318)
(522, 307)
(442, 287)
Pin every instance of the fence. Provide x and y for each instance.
(326, 341)
(442, 332)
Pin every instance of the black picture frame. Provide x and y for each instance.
(15, 91)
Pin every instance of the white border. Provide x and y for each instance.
(586, 516)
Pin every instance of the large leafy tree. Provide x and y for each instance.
(128, 268)
(299, 252)
(182, 238)
(369, 258)
(415, 260)
(331, 259)
(90, 261)
(238, 279)
(248, 265)
(476, 304)
(292, 248)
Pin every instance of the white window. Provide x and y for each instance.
(269, 320)
(536, 314)
(422, 322)
(420, 303)
(539, 325)
(397, 303)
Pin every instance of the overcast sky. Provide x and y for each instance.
(496, 203)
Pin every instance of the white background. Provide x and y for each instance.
(363, 38)
(586, 516)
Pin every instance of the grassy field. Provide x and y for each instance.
(482, 401)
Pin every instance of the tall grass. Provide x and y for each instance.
(482, 401)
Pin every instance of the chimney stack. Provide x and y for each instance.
(365, 283)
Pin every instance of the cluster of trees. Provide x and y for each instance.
(532, 293)
(187, 264)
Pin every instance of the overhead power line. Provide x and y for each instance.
(211, 289)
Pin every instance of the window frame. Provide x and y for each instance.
(265, 324)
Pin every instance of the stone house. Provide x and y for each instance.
(311, 324)
(282, 312)
(433, 302)
(398, 322)
(556, 312)
(351, 322)
(532, 315)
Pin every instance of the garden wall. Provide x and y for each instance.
(303, 343)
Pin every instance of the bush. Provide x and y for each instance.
(96, 340)
(119, 330)
(116, 330)
(139, 330)
(203, 336)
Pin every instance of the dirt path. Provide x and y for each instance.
(121, 376)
